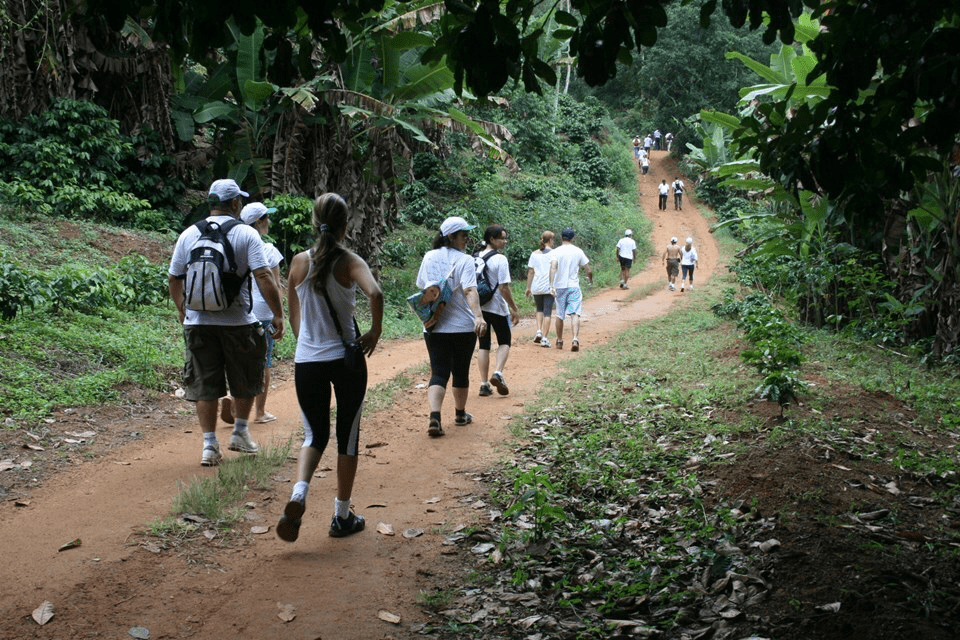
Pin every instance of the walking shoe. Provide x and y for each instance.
(681, 288)
(211, 456)
(243, 444)
(226, 410)
(497, 380)
(434, 430)
(575, 345)
(559, 344)
(341, 527)
(463, 420)
(538, 337)
(691, 287)
(626, 286)
(545, 343)
(672, 287)
(289, 526)
(485, 389)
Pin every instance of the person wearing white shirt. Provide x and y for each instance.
(664, 190)
(565, 264)
(688, 261)
(677, 193)
(499, 312)
(626, 255)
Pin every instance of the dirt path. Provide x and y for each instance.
(110, 584)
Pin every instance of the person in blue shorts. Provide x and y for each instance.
(565, 264)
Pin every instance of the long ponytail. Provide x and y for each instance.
(329, 222)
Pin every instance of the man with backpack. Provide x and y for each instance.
(677, 193)
(210, 282)
(496, 303)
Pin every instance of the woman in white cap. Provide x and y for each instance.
(688, 261)
(452, 336)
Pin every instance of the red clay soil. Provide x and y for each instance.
(232, 588)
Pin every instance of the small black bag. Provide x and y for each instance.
(353, 356)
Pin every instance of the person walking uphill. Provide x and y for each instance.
(626, 254)
(565, 264)
(664, 190)
(322, 298)
(257, 215)
(677, 193)
(226, 345)
(671, 257)
(451, 338)
(495, 312)
(538, 285)
(688, 262)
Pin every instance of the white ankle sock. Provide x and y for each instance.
(341, 507)
(241, 427)
(300, 491)
(210, 439)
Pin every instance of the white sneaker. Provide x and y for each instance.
(691, 287)
(211, 456)
(672, 288)
(538, 337)
(545, 343)
(243, 444)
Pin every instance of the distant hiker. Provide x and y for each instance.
(565, 264)
(538, 285)
(657, 140)
(451, 340)
(688, 261)
(626, 253)
(322, 299)
(664, 190)
(671, 257)
(228, 345)
(677, 193)
(647, 143)
(644, 164)
(499, 313)
(636, 147)
(669, 140)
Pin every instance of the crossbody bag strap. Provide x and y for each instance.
(336, 320)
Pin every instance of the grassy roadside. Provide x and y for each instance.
(638, 499)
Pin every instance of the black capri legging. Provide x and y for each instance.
(313, 380)
(500, 325)
(450, 353)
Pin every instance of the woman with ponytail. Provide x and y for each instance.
(322, 280)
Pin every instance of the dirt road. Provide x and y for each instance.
(337, 586)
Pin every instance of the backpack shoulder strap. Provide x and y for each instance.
(227, 247)
(488, 255)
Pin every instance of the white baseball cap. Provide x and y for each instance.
(689, 240)
(226, 189)
(628, 232)
(453, 224)
(673, 240)
(254, 211)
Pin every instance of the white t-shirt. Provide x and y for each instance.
(499, 270)
(678, 186)
(459, 268)
(625, 247)
(569, 259)
(260, 307)
(540, 263)
(688, 256)
(247, 251)
(664, 189)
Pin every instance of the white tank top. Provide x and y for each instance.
(318, 340)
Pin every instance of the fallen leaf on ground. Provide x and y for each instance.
(833, 607)
(386, 616)
(140, 633)
(43, 613)
(70, 545)
(152, 547)
(32, 447)
(374, 445)
(259, 529)
(385, 529)
(82, 434)
(412, 533)
(121, 462)
(22, 503)
(433, 500)
(286, 612)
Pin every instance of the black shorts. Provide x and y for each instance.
(499, 325)
(625, 263)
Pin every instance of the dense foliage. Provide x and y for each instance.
(73, 161)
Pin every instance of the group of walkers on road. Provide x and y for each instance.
(678, 258)
(664, 190)
(651, 141)
(229, 337)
